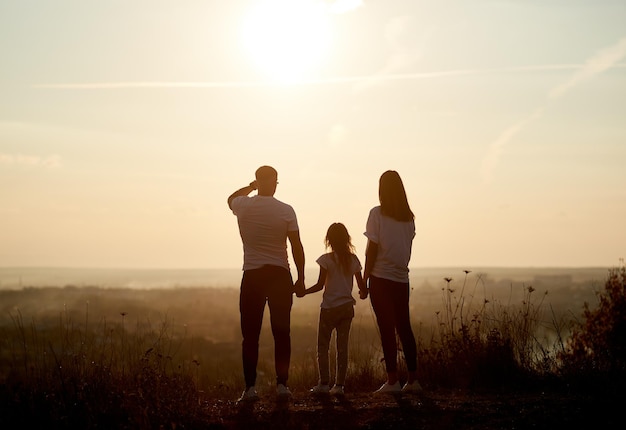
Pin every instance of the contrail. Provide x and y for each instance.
(495, 150)
(329, 81)
(147, 84)
(603, 60)
(30, 160)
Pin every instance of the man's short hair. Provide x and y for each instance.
(266, 173)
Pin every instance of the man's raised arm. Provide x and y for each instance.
(242, 192)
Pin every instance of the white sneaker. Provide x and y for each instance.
(283, 391)
(320, 389)
(337, 390)
(249, 395)
(389, 388)
(414, 387)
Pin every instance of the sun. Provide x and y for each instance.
(287, 39)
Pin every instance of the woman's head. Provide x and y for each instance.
(392, 196)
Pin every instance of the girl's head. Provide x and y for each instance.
(392, 196)
(338, 239)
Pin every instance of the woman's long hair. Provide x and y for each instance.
(339, 241)
(392, 196)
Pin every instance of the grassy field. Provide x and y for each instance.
(92, 357)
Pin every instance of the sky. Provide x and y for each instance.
(126, 124)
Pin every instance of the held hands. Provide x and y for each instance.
(363, 288)
(299, 288)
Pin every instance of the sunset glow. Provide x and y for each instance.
(124, 127)
(287, 39)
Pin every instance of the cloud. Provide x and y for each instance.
(603, 60)
(337, 135)
(344, 6)
(404, 39)
(52, 161)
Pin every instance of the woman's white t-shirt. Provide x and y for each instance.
(394, 239)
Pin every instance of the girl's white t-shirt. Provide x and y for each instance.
(394, 239)
(338, 285)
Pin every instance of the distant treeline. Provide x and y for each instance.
(21, 277)
(213, 313)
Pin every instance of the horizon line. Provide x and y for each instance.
(468, 267)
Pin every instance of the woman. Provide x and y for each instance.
(390, 231)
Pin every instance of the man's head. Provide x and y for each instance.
(266, 179)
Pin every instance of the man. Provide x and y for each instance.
(265, 224)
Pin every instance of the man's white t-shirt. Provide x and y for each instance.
(263, 225)
(394, 239)
(338, 285)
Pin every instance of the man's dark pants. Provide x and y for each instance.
(274, 285)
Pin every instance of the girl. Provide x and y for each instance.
(390, 231)
(337, 268)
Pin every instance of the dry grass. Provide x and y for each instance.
(102, 360)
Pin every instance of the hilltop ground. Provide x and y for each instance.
(436, 411)
(440, 410)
